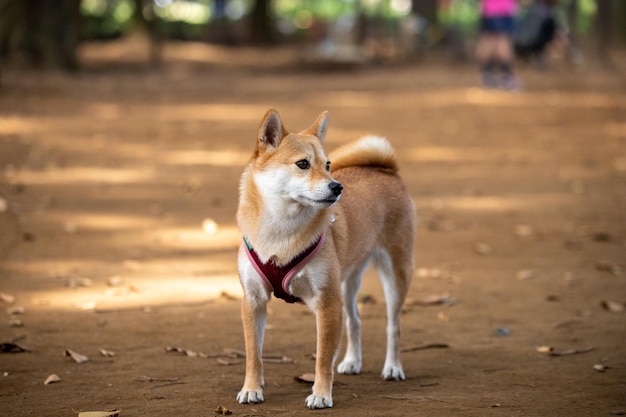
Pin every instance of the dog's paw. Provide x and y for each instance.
(250, 396)
(349, 367)
(393, 373)
(314, 401)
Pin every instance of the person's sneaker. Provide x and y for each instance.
(510, 83)
(489, 80)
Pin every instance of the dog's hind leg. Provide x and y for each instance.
(395, 274)
(352, 361)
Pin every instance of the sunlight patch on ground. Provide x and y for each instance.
(474, 95)
(216, 112)
(146, 292)
(81, 175)
(12, 125)
(102, 222)
(224, 157)
(468, 154)
(221, 238)
(500, 204)
(444, 154)
(616, 129)
(134, 284)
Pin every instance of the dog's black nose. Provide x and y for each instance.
(336, 188)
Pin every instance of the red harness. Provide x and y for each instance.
(277, 278)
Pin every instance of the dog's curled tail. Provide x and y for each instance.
(371, 151)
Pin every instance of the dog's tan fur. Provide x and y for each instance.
(283, 209)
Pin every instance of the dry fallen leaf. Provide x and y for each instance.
(151, 379)
(432, 273)
(234, 353)
(525, 274)
(608, 266)
(15, 322)
(7, 298)
(226, 362)
(115, 281)
(367, 299)
(12, 348)
(443, 317)
(77, 357)
(482, 248)
(544, 349)
(221, 410)
(305, 378)
(598, 367)
(571, 351)
(52, 378)
(74, 282)
(441, 225)
(111, 413)
(427, 346)
(523, 230)
(16, 310)
(613, 306)
(601, 236)
(278, 359)
(439, 299)
(192, 185)
(224, 295)
(186, 352)
(107, 353)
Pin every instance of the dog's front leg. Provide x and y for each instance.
(254, 317)
(329, 324)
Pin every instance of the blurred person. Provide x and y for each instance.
(536, 30)
(494, 49)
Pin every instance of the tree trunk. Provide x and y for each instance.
(603, 30)
(148, 21)
(47, 31)
(262, 24)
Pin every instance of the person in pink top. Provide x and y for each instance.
(494, 49)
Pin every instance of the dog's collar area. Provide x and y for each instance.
(277, 278)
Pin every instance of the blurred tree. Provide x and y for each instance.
(426, 9)
(47, 31)
(145, 16)
(604, 29)
(621, 21)
(262, 24)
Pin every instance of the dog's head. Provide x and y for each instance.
(294, 166)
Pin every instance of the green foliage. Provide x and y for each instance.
(105, 19)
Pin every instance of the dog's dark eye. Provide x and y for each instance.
(303, 164)
(328, 166)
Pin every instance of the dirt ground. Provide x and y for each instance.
(118, 191)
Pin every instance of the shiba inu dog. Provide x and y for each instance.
(309, 234)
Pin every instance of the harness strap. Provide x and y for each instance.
(277, 279)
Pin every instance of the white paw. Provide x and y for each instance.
(317, 401)
(393, 373)
(250, 396)
(349, 367)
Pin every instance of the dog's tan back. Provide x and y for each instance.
(374, 206)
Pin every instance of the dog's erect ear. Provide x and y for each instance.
(319, 127)
(271, 130)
